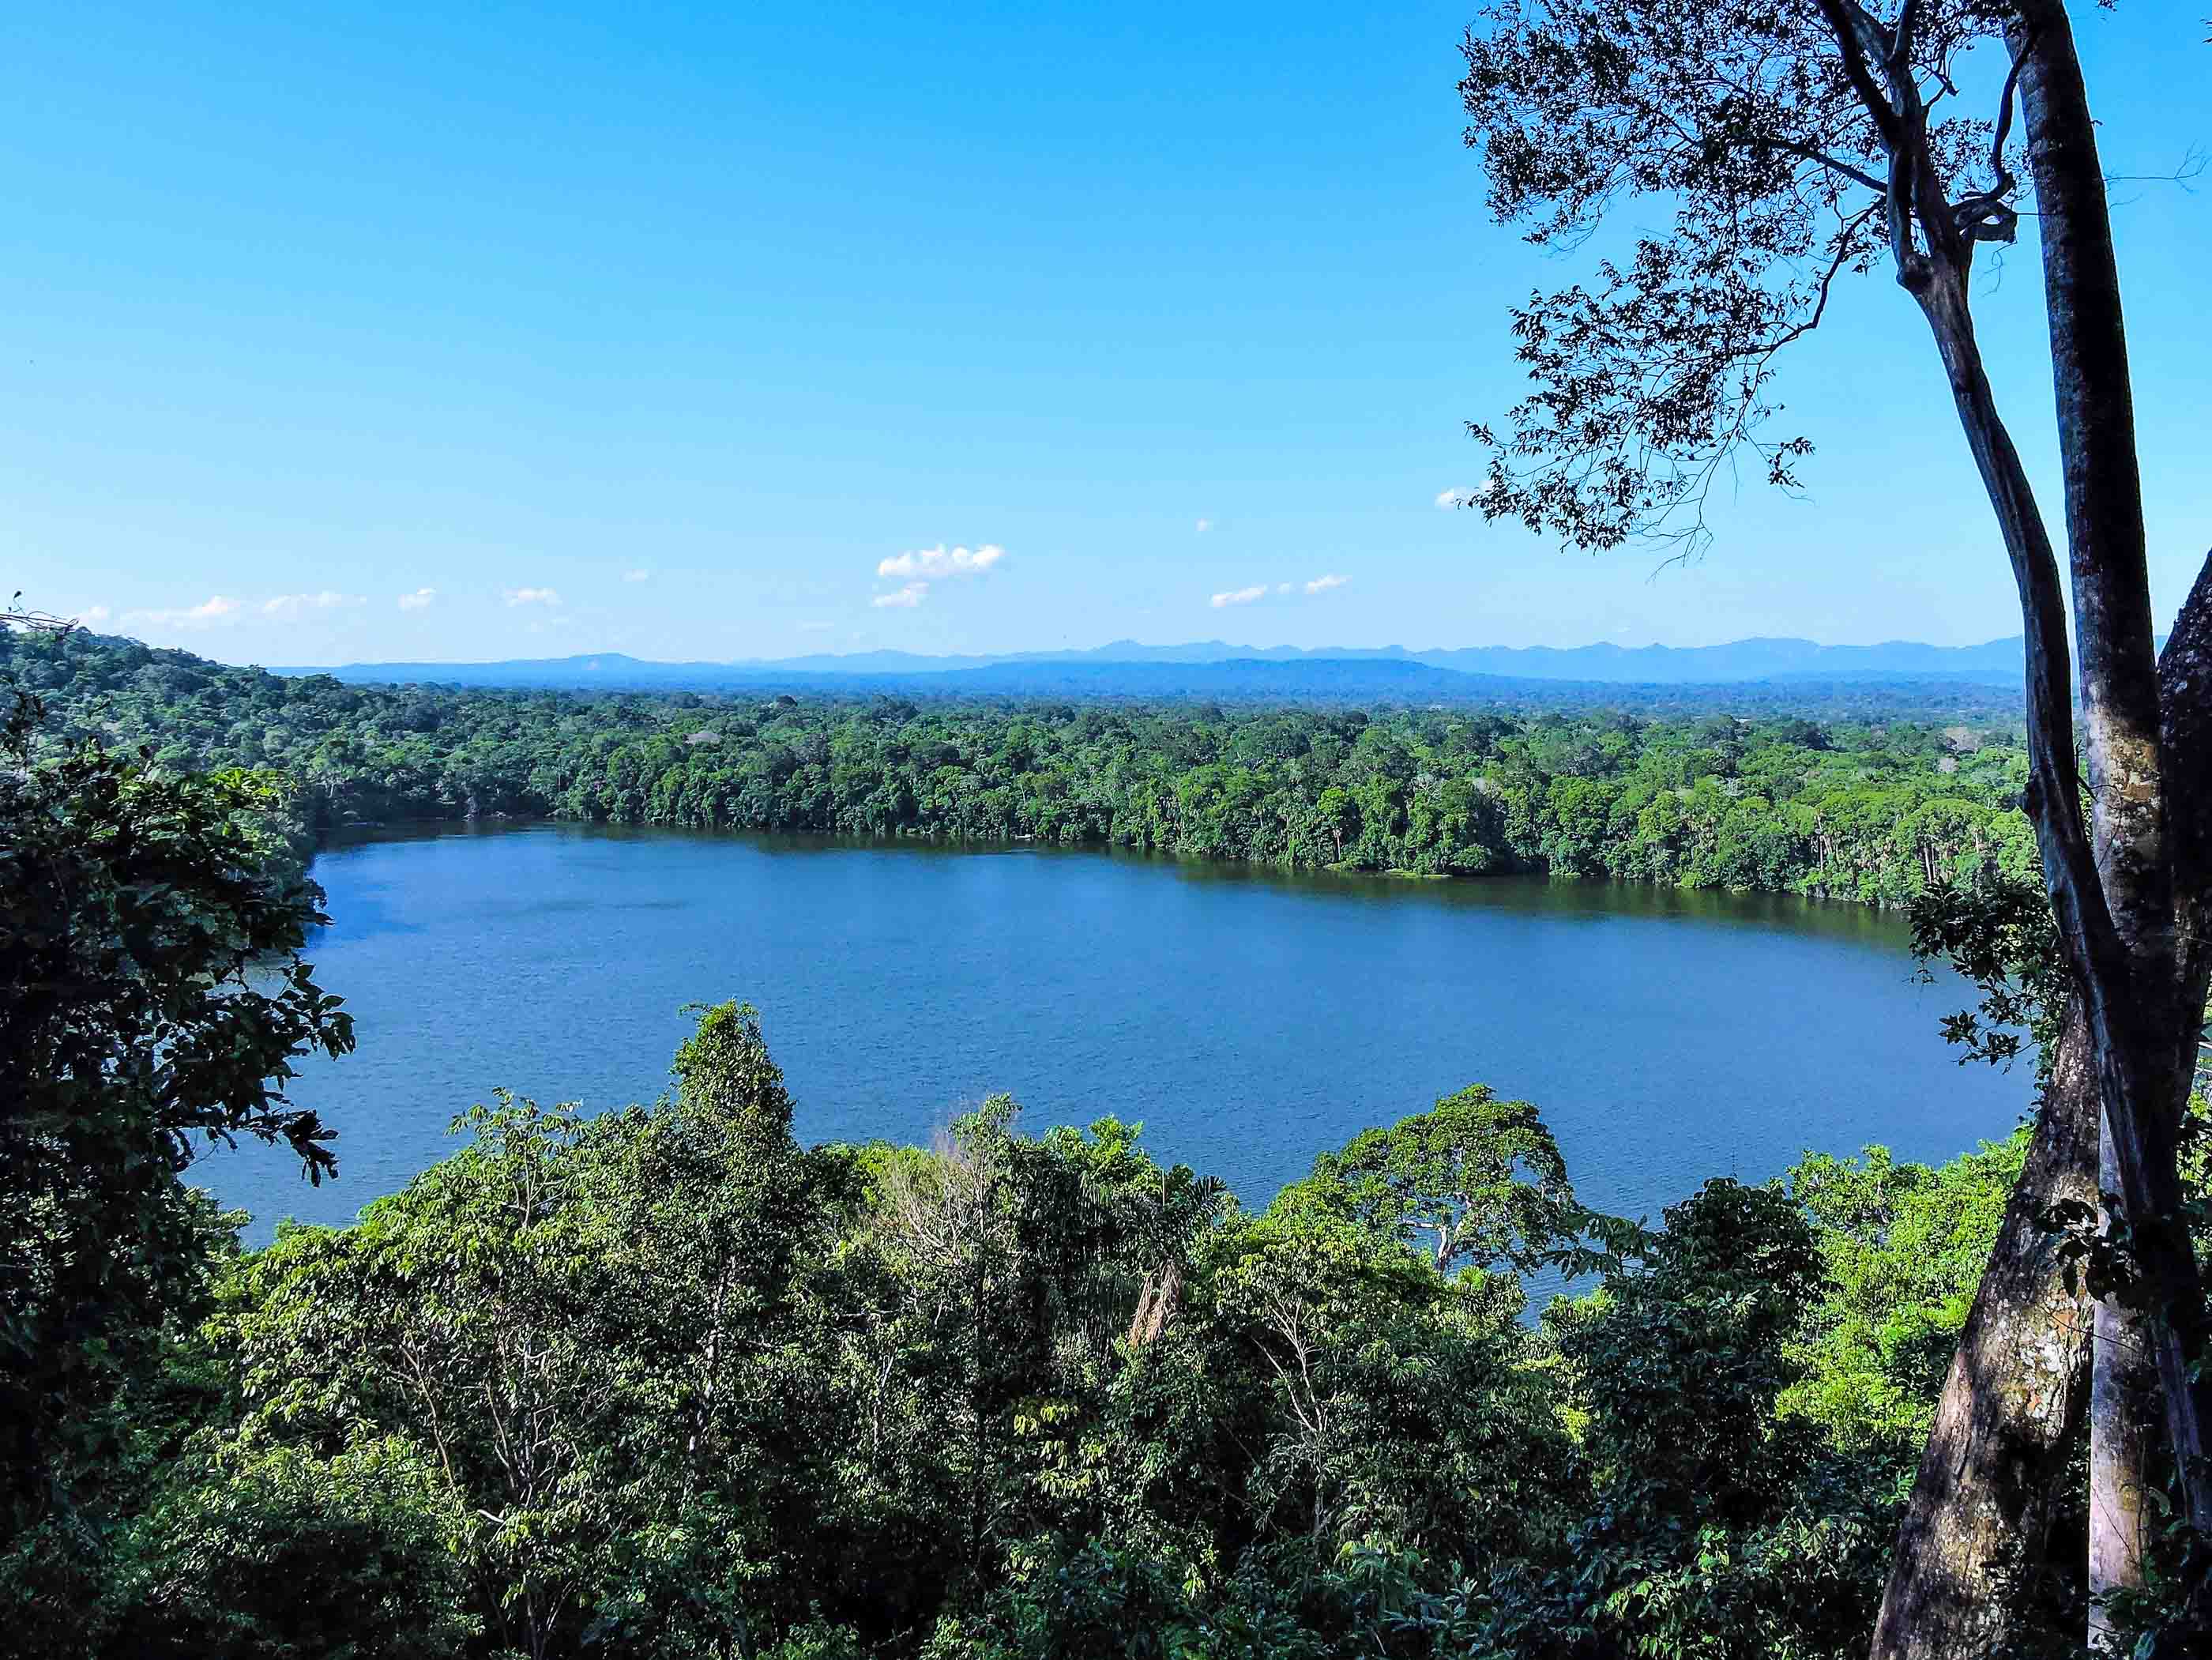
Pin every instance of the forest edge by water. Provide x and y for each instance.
(1871, 810)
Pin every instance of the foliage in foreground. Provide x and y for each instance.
(664, 1382)
(152, 1000)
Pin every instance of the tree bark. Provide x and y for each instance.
(1975, 1523)
(1157, 1301)
(2124, 1438)
(2124, 1411)
(2124, 1397)
(2124, 941)
(1978, 1517)
(2185, 686)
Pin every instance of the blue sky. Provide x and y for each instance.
(452, 333)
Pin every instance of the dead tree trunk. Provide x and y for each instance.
(1158, 1300)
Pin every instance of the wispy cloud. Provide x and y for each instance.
(289, 607)
(93, 614)
(905, 599)
(815, 628)
(418, 600)
(1259, 591)
(533, 597)
(1204, 526)
(637, 576)
(209, 613)
(934, 564)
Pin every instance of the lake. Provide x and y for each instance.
(1250, 1018)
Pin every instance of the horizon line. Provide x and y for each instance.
(1231, 651)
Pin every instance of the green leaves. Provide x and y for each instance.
(258, 1546)
(1904, 1246)
(1481, 1180)
(1865, 814)
(152, 1000)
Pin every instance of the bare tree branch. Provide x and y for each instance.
(1857, 175)
(34, 621)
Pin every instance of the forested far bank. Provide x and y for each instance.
(1864, 807)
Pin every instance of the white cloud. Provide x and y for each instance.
(533, 597)
(1204, 526)
(93, 614)
(290, 606)
(418, 600)
(931, 564)
(916, 569)
(1451, 499)
(1259, 591)
(209, 613)
(637, 576)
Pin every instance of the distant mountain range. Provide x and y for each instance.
(1125, 668)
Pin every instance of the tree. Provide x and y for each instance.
(265, 1551)
(1795, 145)
(1399, 1406)
(152, 1000)
(1905, 1247)
(585, 1331)
(467, 1313)
(1714, 1526)
(1481, 1176)
(707, 1205)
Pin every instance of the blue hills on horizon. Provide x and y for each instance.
(1126, 668)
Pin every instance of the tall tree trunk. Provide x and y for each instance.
(2125, 1428)
(2124, 1438)
(2185, 684)
(1975, 1523)
(2125, 932)
(2131, 884)
(1977, 1519)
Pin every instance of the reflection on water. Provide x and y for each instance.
(1248, 1016)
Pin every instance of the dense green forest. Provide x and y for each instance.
(664, 1382)
(1866, 808)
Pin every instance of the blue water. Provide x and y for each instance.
(1249, 1019)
